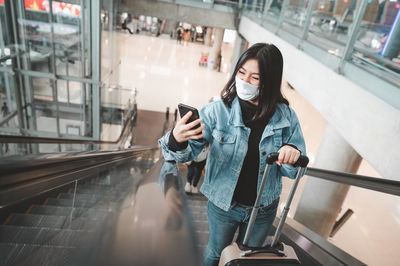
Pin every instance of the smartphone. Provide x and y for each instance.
(183, 109)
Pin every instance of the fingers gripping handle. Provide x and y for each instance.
(302, 161)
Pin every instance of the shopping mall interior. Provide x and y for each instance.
(87, 88)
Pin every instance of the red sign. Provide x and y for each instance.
(58, 7)
(1, 2)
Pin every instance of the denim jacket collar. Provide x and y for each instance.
(235, 117)
(278, 120)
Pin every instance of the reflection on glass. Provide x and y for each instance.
(169, 182)
(331, 23)
(58, 35)
(8, 116)
(42, 89)
(274, 10)
(294, 16)
(378, 42)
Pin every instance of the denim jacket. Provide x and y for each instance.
(228, 138)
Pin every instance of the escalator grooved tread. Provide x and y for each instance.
(51, 221)
(66, 211)
(198, 208)
(41, 255)
(8, 251)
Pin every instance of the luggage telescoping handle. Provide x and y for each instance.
(271, 158)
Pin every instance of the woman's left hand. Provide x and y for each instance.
(288, 155)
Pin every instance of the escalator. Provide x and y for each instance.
(131, 211)
(125, 207)
(53, 226)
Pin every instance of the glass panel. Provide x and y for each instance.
(363, 233)
(69, 38)
(75, 92)
(9, 114)
(42, 89)
(110, 56)
(35, 36)
(274, 11)
(255, 5)
(330, 24)
(378, 43)
(294, 16)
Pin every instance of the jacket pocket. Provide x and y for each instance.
(223, 145)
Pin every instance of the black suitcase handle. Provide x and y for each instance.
(302, 161)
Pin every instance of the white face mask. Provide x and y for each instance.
(246, 91)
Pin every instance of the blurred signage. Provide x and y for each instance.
(58, 7)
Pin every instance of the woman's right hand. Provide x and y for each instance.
(183, 132)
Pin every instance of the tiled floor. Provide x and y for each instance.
(166, 74)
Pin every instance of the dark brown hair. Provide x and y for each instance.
(270, 64)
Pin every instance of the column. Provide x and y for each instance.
(215, 55)
(170, 27)
(321, 200)
(240, 46)
(207, 36)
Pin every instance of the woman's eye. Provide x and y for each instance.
(241, 72)
(256, 78)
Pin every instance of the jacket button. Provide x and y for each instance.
(222, 139)
(262, 172)
(263, 153)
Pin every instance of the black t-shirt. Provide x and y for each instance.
(246, 187)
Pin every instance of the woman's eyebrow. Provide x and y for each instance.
(246, 71)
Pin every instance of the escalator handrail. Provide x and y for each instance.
(372, 183)
(26, 168)
(32, 139)
(22, 179)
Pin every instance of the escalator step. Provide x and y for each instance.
(49, 221)
(8, 234)
(66, 211)
(40, 255)
(199, 209)
(90, 197)
(7, 251)
(77, 237)
(200, 225)
(25, 220)
(64, 238)
(44, 236)
(27, 235)
(202, 237)
(102, 204)
(66, 202)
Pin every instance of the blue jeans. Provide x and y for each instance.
(194, 172)
(223, 226)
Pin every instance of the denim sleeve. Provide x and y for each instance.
(193, 148)
(293, 136)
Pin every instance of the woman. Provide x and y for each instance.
(195, 169)
(251, 120)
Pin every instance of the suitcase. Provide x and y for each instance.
(276, 253)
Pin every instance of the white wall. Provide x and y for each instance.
(369, 124)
